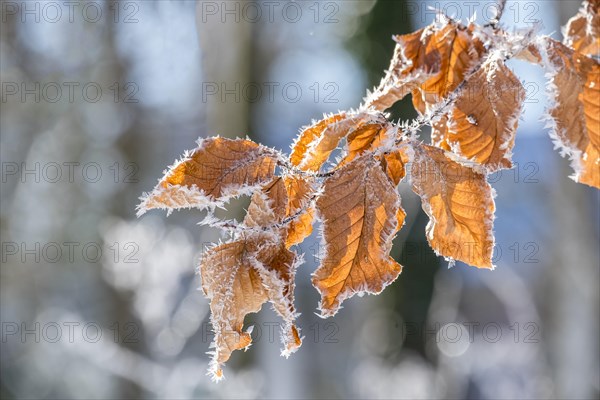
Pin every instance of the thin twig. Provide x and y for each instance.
(406, 132)
(234, 226)
(496, 20)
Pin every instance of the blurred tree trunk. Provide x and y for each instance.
(571, 292)
(226, 62)
(571, 288)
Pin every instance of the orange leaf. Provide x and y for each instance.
(238, 278)
(299, 191)
(412, 64)
(288, 199)
(215, 171)
(322, 147)
(235, 289)
(582, 32)
(458, 52)
(268, 205)
(430, 63)
(309, 135)
(483, 121)
(460, 206)
(394, 165)
(575, 91)
(367, 138)
(361, 213)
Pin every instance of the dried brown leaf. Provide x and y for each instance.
(394, 165)
(299, 191)
(482, 123)
(216, 170)
(284, 202)
(582, 32)
(460, 206)
(458, 51)
(310, 135)
(361, 213)
(322, 147)
(268, 206)
(575, 91)
(368, 137)
(238, 278)
(412, 64)
(234, 287)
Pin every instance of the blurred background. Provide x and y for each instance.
(98, 97)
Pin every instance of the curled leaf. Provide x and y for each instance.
(368, 137)
(394, 165)
(299, 191)
(310, 135)
(268, 206)
(238, 278)
(582, 32)
(323, 145)
(215, 171)
(234, 287)
(412, 64)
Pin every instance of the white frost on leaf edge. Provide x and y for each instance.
(564, 146)
(176, 197)
(426, 205)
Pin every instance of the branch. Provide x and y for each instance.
(407, 133)
(234, 226)
(496, 20)
(515, 43)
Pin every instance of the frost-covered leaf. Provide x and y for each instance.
(459, 203)
(482, 123)
(394, 165)
(412, 64)
(268, 205)
(575, 111)
(368, 137)
(278, 276)
(215, 171)
(458, 51)
(284, 205)
(430, 63)
(582, 32)
(238, 278)
(361, 213)
(299, 192)
(234, 287)
(530, 53)
(324, 144)
(309, 135)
